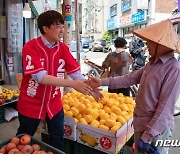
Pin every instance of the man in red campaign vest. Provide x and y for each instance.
(45, 60)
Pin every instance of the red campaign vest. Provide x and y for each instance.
(37, 100)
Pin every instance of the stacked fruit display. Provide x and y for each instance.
(22, 146)
(8, 95)
(109, 113)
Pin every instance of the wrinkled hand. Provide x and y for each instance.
(146, 147)
(96, 94)
(82, 87)
(94, 82)
(142, 146)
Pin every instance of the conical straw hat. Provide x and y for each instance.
(162, 33)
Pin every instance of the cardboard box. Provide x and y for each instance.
(70, 128)
(106, 141)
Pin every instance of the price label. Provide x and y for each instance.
(105, 142)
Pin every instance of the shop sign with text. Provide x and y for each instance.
(113, 10)
(112, 23)
(139, 17)
(126, 5)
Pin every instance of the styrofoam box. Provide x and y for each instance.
(106, 141)
(70, 128)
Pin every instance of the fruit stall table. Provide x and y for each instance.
(93, 126)
(8, 98)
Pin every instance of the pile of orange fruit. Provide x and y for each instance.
(109, 113)
(8, 94)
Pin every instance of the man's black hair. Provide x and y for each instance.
(120, 42)
(48, 18)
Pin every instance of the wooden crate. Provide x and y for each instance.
(19, 77)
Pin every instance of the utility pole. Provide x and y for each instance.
(95, 19)
(67, 12)
(152, 12)
(77, 30)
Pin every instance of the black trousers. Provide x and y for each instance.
(124, 91)
(55, 128)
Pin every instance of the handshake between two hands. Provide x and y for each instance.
(146, 147)
(88, 87)
(94, 83)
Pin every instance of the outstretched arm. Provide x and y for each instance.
(118, 82)
(78, 76)
(79, 85)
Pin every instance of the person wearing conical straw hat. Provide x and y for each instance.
(159, 87)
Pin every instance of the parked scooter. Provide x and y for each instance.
(95, 70)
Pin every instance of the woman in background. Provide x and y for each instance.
(118, 62)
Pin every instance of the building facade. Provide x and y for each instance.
(94, 15)
(127, 15)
